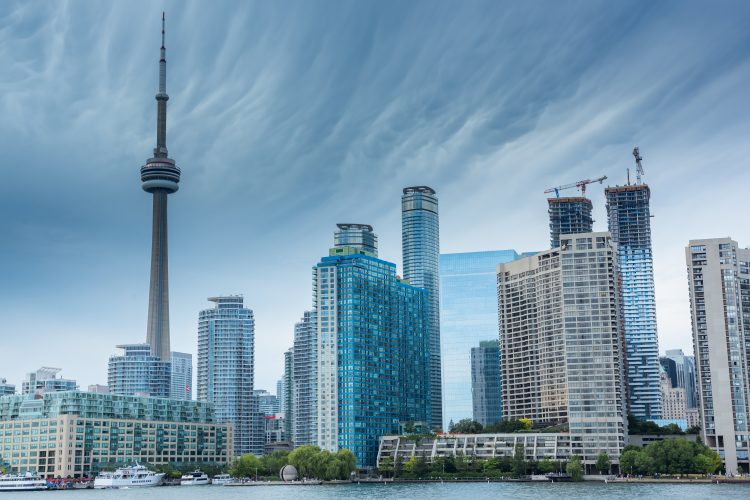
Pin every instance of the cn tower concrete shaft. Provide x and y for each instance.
(157, 335)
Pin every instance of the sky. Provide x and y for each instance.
(288, 117)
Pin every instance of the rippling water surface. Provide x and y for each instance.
(470, 491)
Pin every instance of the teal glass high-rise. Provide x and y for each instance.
(372, 352)
(420, 242)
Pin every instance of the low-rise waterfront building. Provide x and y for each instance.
(99, 389)
(45, 380)
(537, 446)
(61, 434)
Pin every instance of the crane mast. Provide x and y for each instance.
(638, 167)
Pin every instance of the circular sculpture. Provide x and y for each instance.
(288, 473)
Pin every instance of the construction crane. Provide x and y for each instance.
(638, 167)
(580, 184)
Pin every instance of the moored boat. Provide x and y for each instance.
(195, 478)
(128, 477)
(26, 482)
(221, 479)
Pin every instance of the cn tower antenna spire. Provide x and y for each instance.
(161, 101)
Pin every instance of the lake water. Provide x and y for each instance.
(466, 491)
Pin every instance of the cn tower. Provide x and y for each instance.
(160, 177)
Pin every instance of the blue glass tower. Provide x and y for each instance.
(468, 316)
(372, 352)
(420, 241)
(629, 218)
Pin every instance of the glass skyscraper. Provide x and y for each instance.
(468, 315)
(226, 357)
(420, 241)
(372, 352)
(486, 389)
(139, 373)
(629, 218)
(182, 376)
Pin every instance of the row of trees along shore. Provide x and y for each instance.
(310, 462)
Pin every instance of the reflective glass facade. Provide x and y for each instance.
(486, 391)
(468, 316)
(139, 373)
(226, 343)
(372, 353)
(629, 215)
(420, 242)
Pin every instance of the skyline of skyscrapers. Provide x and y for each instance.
(420, 243)
(226, 369)
(629, 220)
(719, 282)
(468, 316)
(372, 352)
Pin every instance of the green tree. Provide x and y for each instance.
(386, 466)
(302, 460)
(271, 463)
(410, 465)
(695, 429)
(347, 463)
(245, 466)
(466, 426)
(707, 462)
(519, 461)
(627, 461)
(420, 468)
(644, 464)
(575, 468)
(603, 463)
(546, 466)
(527, 423)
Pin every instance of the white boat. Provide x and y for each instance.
(128, 477)
(196, 478)
(27, 482)
(221, 479)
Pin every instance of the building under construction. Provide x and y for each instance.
(569, 215)
(629, 216)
